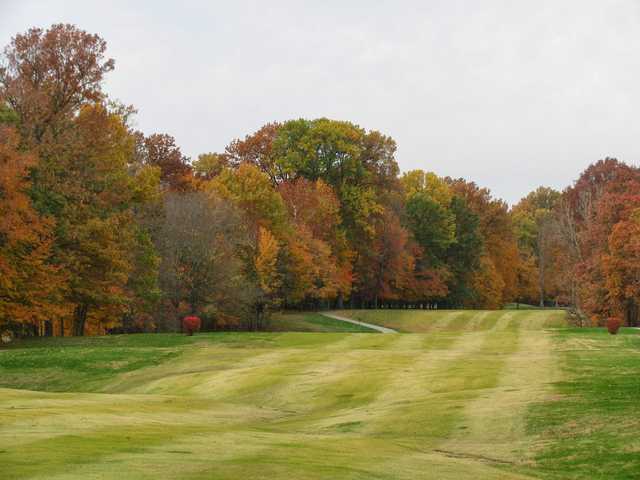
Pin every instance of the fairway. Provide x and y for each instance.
(472, 395)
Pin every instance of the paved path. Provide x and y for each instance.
(363, 324)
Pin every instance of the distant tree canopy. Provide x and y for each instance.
(104, 228)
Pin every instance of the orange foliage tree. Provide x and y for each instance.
(31, 288)
(499, 241)
(319, 265)
(621, 266)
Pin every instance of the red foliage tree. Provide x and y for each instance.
(160, 150)
(257, 149)
(621, 268)
(604, 196)
(613, 325)
(191, 324)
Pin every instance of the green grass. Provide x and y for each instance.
(522, 306)
(471, 395)
(311, 322)
(432, 321)
(82, 364)
(593, 425)
(87, 364)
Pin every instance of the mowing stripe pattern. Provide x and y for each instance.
(446, 402)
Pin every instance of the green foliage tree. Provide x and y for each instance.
(533, 219)
(250, 189)
(209, 165)
(463, 255)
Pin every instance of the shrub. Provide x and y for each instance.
(191, 324)
(6, 336)
(613, 325)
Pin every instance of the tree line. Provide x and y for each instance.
(106, 229)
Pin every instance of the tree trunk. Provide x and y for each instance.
(574, 295)
(541, 280)
(79, 319)
(260, 307)
(631, 314)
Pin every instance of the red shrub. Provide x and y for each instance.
(613, 325)
(191, 324)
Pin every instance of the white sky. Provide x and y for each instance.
(510, 94)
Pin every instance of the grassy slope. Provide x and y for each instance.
(469, 397)
(433, 321)
(311, 322)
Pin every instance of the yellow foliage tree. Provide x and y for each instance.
(266, 263)
(488, 285)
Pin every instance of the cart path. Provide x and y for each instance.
(362, 324)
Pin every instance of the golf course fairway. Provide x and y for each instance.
(508, 394)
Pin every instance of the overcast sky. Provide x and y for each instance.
(510, 94)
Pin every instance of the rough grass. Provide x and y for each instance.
(592, 427)
(473, 395)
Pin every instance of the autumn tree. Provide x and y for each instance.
(359, 166)
(85, 184)
(621, 267)
(31, 288)
(488, 286)
(378, 158)
(318, 266)
(608, 284)
(250, 189)
(160, 150)
(209, 165)
(257, 149)
(266, 276)
(390, 263)
(534, 220)
(604, 195)
(202, 270)
(82, 180)
(500, 249)
(46, 76)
